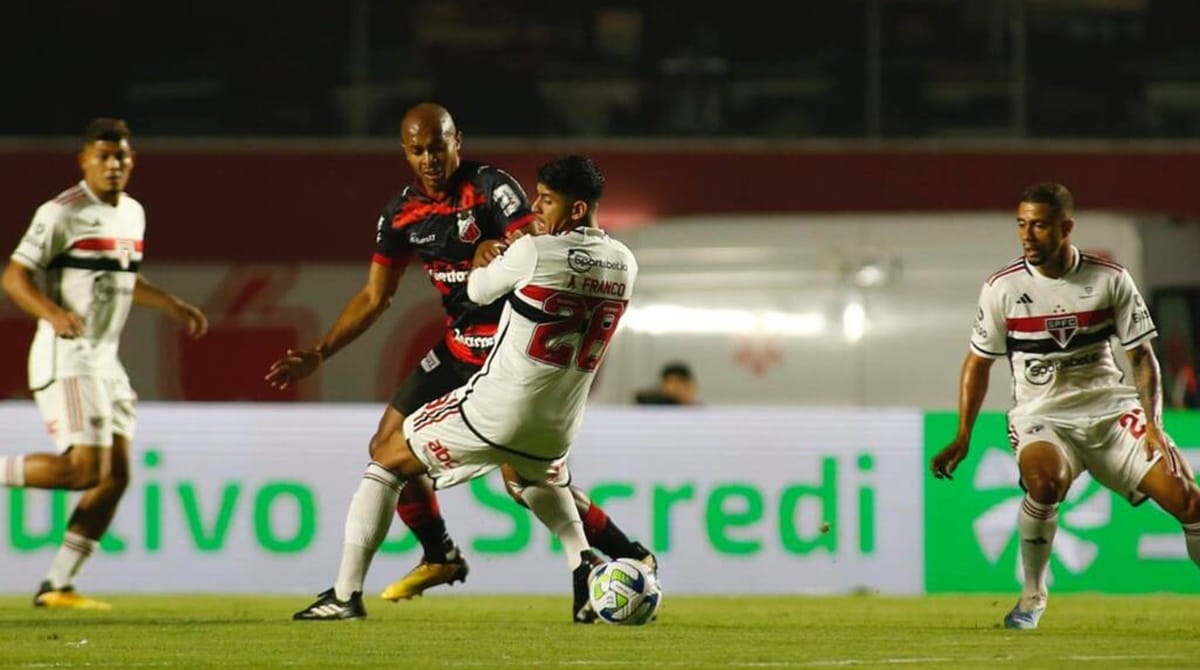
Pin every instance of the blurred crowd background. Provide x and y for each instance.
(615, 68)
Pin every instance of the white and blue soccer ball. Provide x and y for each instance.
(624, 592)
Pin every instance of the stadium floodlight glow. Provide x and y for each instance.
(854, 322)
(663, 318)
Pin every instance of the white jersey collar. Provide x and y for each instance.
(1077, 260)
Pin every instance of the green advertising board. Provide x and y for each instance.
(1103, 543)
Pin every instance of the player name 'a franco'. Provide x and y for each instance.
(603, 287)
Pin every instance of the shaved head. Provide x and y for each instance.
(428, 116)
(431, 145)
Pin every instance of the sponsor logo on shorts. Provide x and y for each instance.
(442, 454)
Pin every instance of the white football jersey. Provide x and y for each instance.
(568, 293)
(89, 253)
(1055, 333)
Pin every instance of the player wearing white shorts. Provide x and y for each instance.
(87, 244)
(564, 295)
(1053, 313)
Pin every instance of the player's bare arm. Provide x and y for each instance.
(20, 286)
(972, 387)
(188, 315)
(1147, 380)
(356, 317)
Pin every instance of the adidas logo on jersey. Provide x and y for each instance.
(1024, 299)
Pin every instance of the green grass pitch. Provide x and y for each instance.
(449, 631)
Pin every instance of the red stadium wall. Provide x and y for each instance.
(274, 201)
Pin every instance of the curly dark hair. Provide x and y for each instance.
(574, 176)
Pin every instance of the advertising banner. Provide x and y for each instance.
(252, 498)
(1103, 544)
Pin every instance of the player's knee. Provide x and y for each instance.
(1045, 488)
(81, 477)
(1190, 511)
(513, 484)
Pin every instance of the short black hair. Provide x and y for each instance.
(106, 129)
(1053, 194)
(676, 369)
(574, 176)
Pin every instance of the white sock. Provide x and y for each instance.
(1191, 535)
(555, 507)
(367, 524)
(1036, 524)
(12, 471)
(75, 550)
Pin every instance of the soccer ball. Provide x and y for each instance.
(624, 592)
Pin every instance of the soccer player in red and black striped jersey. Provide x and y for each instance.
(453, 208)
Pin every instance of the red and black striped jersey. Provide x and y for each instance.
(481, 203)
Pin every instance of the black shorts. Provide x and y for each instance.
(437, 374)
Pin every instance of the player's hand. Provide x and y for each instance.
(946, 461)
(292, 368)
(1157, 442)
(67, 325)
(535, 227)
(192, 318)
(488, 251)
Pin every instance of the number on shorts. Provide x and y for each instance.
(596, 318)
(1134, 422)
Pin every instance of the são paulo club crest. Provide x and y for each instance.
(1062, 328)
(468, 230)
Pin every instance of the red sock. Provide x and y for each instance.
(418, 513)
(594, 521)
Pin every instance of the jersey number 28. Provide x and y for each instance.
(596, 318)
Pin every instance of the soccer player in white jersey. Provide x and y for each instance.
(1053, 312)
(564, 295)
(87, 244)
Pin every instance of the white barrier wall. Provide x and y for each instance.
(252, 498)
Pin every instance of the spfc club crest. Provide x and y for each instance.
(125, 250)
(1062, 328)
(468, 230)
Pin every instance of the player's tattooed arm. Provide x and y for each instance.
(1147, 378)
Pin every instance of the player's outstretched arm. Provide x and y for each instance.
(188, 315)
(972, 387)
(356, 317)
(23, 290)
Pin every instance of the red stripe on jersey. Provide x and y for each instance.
(1005, 272)
(539, 293)
(389, 261)
(104, 244)
(1037, 324)
(1096, 260)
(70, 195)
(415, 211)
(523, 221)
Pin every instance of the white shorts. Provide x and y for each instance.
(441, 438)
(1110, 448)
(87, 411)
